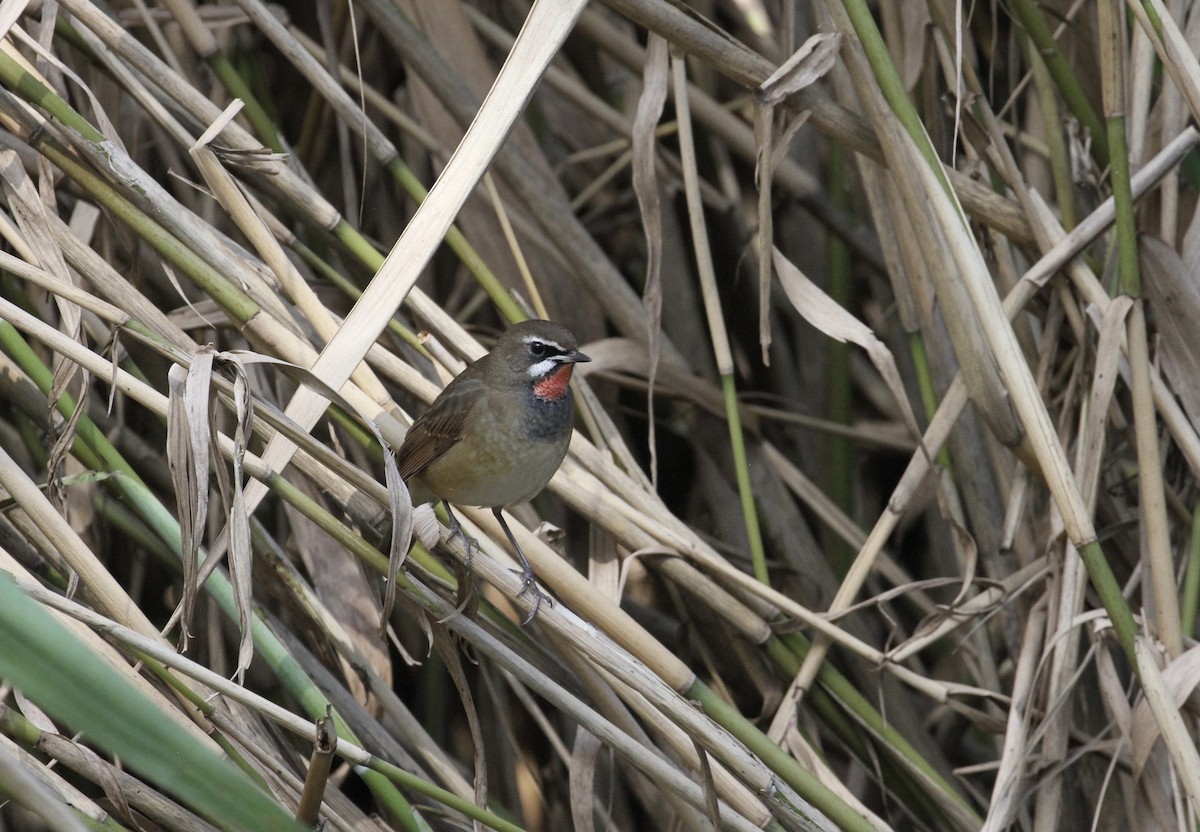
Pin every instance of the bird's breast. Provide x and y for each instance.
(504, 459)
(547, 419)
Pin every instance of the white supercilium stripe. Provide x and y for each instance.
(529, 339)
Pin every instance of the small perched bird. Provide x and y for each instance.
(498, 432)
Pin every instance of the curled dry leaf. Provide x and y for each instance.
(645, 185)
(239, 518)
(183, 480)
(400, 503)
(426, 527)
(825, 314)
(191, 415)
(808, 64)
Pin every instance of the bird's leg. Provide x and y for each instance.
(456, 530)
(526, 571)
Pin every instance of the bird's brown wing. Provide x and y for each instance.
(440, 427)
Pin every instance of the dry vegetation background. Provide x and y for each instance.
(906, 537)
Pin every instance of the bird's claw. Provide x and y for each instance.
(530, 586)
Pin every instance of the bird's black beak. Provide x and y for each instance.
(574, 357)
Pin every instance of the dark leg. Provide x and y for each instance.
(456, 530)
(526, 571)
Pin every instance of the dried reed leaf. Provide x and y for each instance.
(400, 504)
(183, 478)
(712, 807)
(645, 185)
(1163, 701)
(36, 716)
(1174, 295)
(240, 573)
(1090, 455)
(585, 753)
(1180, 678)
(805, 67)
(624, 355)
(1014, 761)
(825, 314)
(447, 648)
(190, 449)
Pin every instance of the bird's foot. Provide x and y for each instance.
(531, 587)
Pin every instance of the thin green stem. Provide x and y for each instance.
(1106, 586)
(1129, 274)
(737, 441)
(1029, 15)
(237, 87)
(892, 87)
(783, 764)
(1060, 160)
(1188, 602)
(834, 696)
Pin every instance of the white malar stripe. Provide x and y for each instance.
(543, 367)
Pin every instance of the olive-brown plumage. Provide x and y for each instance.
(498, 432)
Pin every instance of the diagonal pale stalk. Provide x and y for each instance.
(1155, 529)
(1046, 450)
(544, 31)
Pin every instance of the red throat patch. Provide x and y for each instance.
(553, 385)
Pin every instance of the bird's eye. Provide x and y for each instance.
(537, 348)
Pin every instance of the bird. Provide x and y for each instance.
(498, 431)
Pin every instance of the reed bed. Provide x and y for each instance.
(882, 506)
